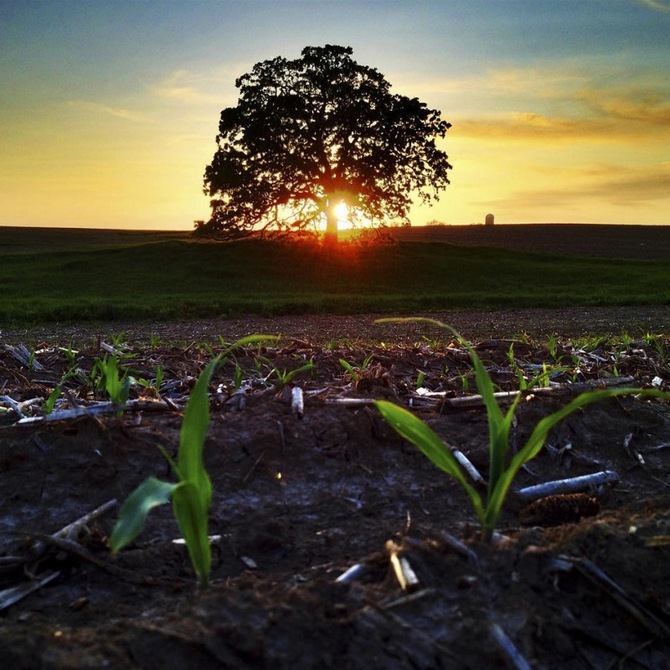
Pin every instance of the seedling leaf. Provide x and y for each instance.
(149, 494)
(192, 495)
(430, 443)
(501, 474)
(191, 512)
(191, 502)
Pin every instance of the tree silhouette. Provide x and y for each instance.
(311, 133)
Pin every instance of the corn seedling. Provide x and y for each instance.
(502, 468)
(284, 377)
(238, 371)
(155, 383)
(541, 378)
(70, 356)
(107, 376)
(192, 494)
(552, 347)
(656, 342)
(238, 376)
(356, 371)
(50, 402)
(207, 348)
(117, 339)
(352, 371)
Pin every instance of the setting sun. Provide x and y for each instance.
(342, 213)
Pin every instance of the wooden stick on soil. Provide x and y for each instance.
(71, 531)
(13, 594)
(65, 539)
(507, 647)
(571, 485)
(650, 621)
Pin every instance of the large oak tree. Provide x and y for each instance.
(311, 133)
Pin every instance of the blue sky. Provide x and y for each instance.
(560, 109)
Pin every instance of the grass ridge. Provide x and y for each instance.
(180, 279)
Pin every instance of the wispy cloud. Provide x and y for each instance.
(532, 127)
(608, 184)
(657, 5)
(607, 113)
(193, 88)
(629, 185)
(102, 108)
(544, 81)
(647, 106)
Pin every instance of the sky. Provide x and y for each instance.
(560, 109)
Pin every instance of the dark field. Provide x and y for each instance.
(299, 500)
(609, 241)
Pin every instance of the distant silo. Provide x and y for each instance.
(488, 220)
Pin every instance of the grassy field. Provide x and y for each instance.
(75, 276)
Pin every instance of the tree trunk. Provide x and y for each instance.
(330, 239)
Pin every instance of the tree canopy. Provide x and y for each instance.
(312, 133)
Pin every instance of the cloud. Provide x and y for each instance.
(191, 88)
(657, 5)
(648, 107)
(548, 80)
(629, 186)
(600, 113)
(532, 127)
(608, 184)
(101, 108)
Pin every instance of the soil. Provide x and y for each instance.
(312, 510)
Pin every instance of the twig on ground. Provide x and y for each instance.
(69, 532)
(438, 398)
(21, 353)
(650, 621)
(13, 594)
(460, 548)
(571, 485)
(407, 627)
(297, 402)
(92, 410)
(507, 647)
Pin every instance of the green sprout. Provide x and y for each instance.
(285, 376)
(106, 375)
(552, 347)
(238, 376)
(71, 357)
(420, 378)
(117, 339)
(192, 494)
(351, 370)
(155, 383)
(540, 379)
(50, 403)
(502, 468)
(52, 398)
(356, 371)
